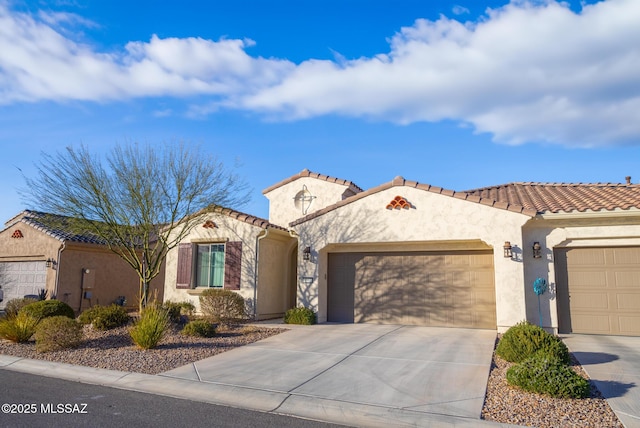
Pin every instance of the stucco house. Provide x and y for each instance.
(76, 269)
(411, 253)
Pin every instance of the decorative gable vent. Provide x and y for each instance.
(209, 225)
(398, 203)
(17, 234)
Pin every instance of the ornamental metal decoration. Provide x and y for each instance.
(539, 287)
(303, 200)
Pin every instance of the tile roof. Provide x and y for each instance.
(247, 218)
(400, 181)
(306, 173)
(58, 227)
(564, 197)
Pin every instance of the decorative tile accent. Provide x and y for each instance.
(209, 225)
(17, 234)
(398, 203)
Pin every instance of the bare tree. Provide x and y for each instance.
(138, 199)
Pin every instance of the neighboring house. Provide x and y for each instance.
(411, 253)
(76, 269)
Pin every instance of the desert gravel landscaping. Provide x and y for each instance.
(114, 350)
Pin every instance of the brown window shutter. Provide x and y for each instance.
(233, 265)
(185, 265)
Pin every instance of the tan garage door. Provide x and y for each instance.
(449, 289)
(599, 290)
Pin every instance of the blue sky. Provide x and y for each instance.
(458, 94)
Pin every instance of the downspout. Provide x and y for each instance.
(255, 272)
(60, 250)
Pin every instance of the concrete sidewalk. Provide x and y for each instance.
(613, 364)
(352, 374)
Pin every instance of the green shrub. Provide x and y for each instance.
(48, 308)
(19, 328)
(178, 309)
(222, 305)
(547, 375)
(13, 306)
(524, 340)
(151, 327)
(300, 315)
(58, 332)
(200, 328)
(104, 317)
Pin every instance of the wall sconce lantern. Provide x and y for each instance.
(507, 250)
(306, 254)
(50, 263)
(537, 250)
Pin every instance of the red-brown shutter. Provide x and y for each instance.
(233, 265)
(185, 265)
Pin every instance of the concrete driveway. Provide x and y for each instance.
(613, 364)
(360, 374)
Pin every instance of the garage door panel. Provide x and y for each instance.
(438, 289)
(599, 290)
(627, 279)
(629, 325)
(626, 256)
(591, 323)
(627, 301)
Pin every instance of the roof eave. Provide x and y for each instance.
(615, 213)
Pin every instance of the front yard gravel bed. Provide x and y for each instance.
(114, 349)
(508, 404)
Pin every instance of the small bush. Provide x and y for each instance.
(105, 317)
(48, 308)
(550, 376)
(222, 305)
(13, 306)
(304, 316)
(178, 309)
(524, 340)
(151, 327)
(58, 332)
(200, 328)
(19, 328)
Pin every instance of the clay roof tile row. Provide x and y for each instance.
(564, 197)
(306, 173)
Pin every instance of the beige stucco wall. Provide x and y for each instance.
(282, 206)
(591, 229)
(33, 246)
(274, 276)
(104, 274)
(256, 284)
(435, 221)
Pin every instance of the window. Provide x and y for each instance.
(210, 266)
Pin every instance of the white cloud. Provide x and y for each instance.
(526, 72)
(529, 71)
(39, 62)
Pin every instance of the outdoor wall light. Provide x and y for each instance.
(507, 250)
(537, 250)
(306, 253)
(50, 263)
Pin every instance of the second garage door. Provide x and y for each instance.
(599, 290)
(448, 289)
